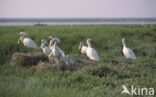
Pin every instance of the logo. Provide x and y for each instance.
(137, 90)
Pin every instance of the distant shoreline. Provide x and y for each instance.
(75, 21)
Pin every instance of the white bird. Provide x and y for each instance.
(28, 42)
(44, 48)
(57, 41)
(91, 52)
(83, 48)
(55, 53)
(127, 51)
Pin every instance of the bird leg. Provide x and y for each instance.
(51, 59)
(59, 58)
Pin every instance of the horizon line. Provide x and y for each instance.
(75, 17)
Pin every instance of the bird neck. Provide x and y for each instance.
(124, 44)
(55, 44)
(80, 47)
(89, 44)
(51, 43)
(21, 38)
(42, 45)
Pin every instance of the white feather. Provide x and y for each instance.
(128, 53)
(92, 54)
(29, 43)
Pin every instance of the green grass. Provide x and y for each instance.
(104, 80)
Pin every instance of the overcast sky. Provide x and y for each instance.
(77, 8)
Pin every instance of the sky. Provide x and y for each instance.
(77, 8)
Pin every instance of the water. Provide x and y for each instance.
(72, 22)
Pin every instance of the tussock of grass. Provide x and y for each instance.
(28, 59)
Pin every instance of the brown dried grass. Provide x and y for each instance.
(28, 59)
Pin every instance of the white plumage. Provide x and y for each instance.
(91, 52)
(127, 51)
(45, 49)
(83, 48)
(51, 45)
(55, 53)
(28, 42)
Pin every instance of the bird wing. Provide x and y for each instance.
(61, 51)
(47, 50)
(56, 51)
(132, 55)
(30, 43)
(92, 54)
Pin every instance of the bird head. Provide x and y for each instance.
(89, 40)
(22, 33)
(123, 40)
(54, 41)
(43, 41)
(80, 46)
(58, 40)
(50, 38)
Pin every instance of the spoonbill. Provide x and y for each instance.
(44, 48)
(83, 48)
(28, 42)
(91, 52)
(52, 43)
(129, 54)
(55, 53)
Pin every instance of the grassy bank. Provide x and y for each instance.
(104, 80)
